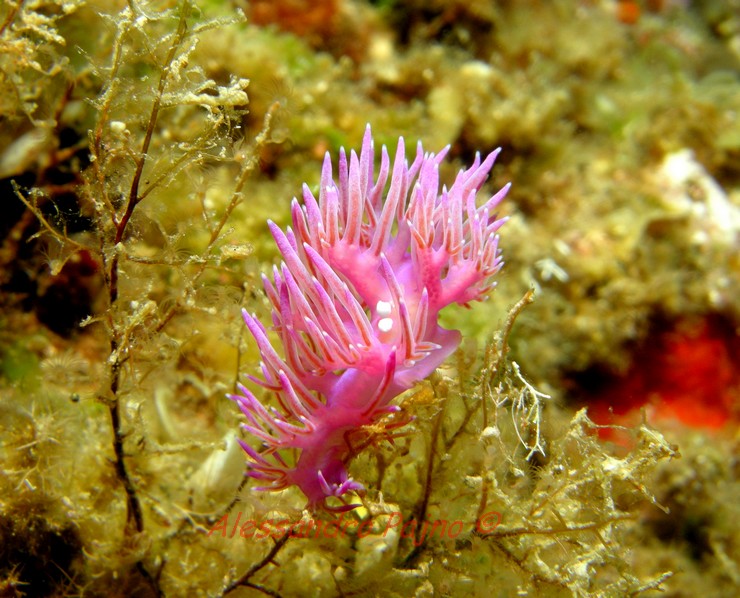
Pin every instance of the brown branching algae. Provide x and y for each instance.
(143, 146)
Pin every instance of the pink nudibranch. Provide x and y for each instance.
(355, 303)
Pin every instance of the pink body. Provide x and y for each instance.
(355, 304)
